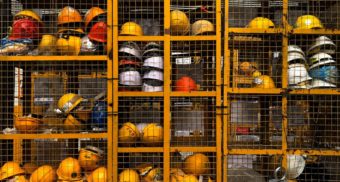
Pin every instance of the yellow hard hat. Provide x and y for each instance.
(19, 178)
(71, 124)
(153, 175)
(202, 27)
(29, 167)
(256, 73)
(71, 31)
(28, 13)
(10, 169)
(68, 102)
(26, 124)
(190, 178)
(131, 28)
(196, 164)
(261, 22)
(69, 15)
(48, 43)
(129, 175)
(263, 81)
(69, 169)
(89, 157)
(179, 23)
(247, 67)
(152, 134)
(91, 14)
(308, 22)
(128, 133)
(69, 45)
(98, 175)
(44, 173)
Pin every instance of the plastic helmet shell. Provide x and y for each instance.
(130, 78)
(154, 62)
(68, 102)
(99, 115)
(69, 45)
(153, 75)
(295, 56)
(186, 84)
(48, 44)
(202, 27)
(179, 23)
(27, 124)
(308, 22)
(28, 13)
(326, 73)
(129, 50)
(129, 175)
(263, 81)
(322, 44)
(131, 28)
(69, 15)
(98, 32)
(87, 46)
(44, 173)
(316, 83)
(128, 133)
(153, 175)
(196, 164)
(297, 73)
(152, 134)
(295, 48)
(71, 124)
(89, 157)
(261, 22)
(25, 29)
(320, 59)
(149, 88)
(10, 169)
(295, 166)
(98, 175)
(69, 170)
(91, 14)
(19, 178)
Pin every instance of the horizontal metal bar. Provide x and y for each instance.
(256, 30)
(315, 152)
(53, 58)
(194, 94)
(52, 136)
(254, 91)
(316, 92)
(139, 149)
(254, 151)
(141, 38)
(193, 149)
(192, 38)
(140, 94)
(316, 31)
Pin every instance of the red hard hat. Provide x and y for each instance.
(128, 62)
(24, 29)
(98, 32)
(185, 84)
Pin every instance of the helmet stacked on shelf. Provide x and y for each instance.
(298, 76)
(130, 59)
(322, 66)
(27, 24)
(153, 68)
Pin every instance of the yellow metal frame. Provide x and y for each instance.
(285, 32)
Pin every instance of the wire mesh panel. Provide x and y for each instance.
(193, 121)
(259, 168)
(193, 166)
(193, 17)
(251, 123)
(193, 65)
(255, 60)
(313, 14)
(317, 127)
(255, 13)
(40, 97)
(140, 122)
(53, 27)
(141, 167)
(138, 18)
(53, 158)
(141, 66)
(313, 62)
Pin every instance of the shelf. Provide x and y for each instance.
(315, 152)
(316, 92)
(255, 30)
(193, 38)
(162, 38)
(253, 151)
(140, 94)
(316, 31)
(54, 58)
(53, 136)
(140, 149)
(254, 91)
(193, 149)
(194, 94)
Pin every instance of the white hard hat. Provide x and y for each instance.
(130, 49)
(152, 45)
(130, 78)
(293, 56)
(295, 48)
(316, 83)
(297, 73)
(154, 75)
(152, 53)
(328, 73)
(320, 59)
(154, 62)
(87, 46)
(322, 44)
(295, 166)
(149, 88)
(141, 126)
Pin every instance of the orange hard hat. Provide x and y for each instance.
(91, 14)
(69, 15)
(98, 32)
(185, 84)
